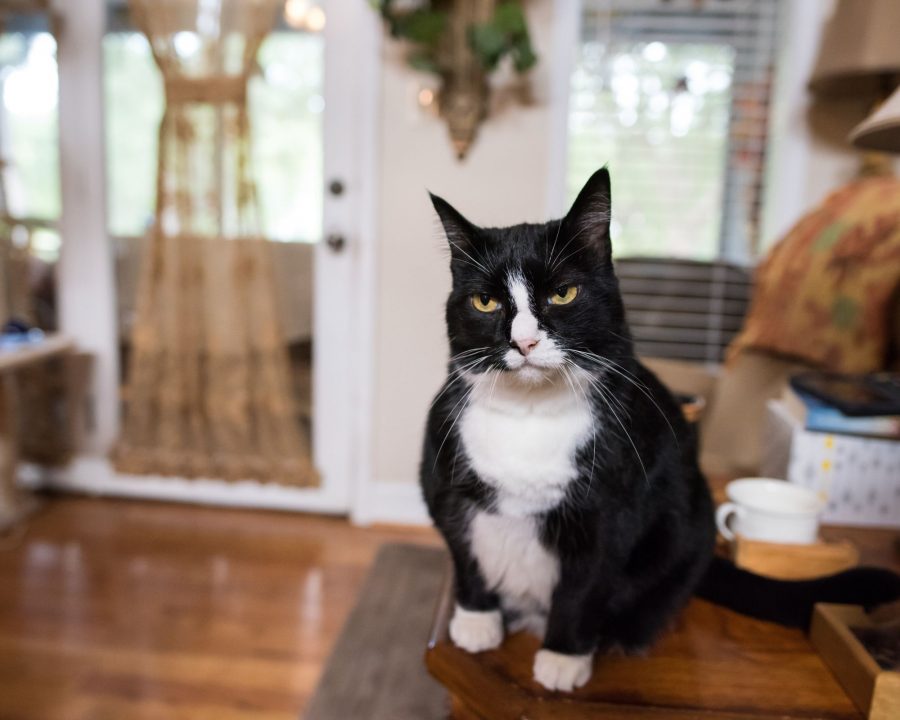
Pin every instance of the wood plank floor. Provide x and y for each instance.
(115, 610)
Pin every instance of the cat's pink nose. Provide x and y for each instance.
(526, 345)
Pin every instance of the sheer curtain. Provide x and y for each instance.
(208, 388)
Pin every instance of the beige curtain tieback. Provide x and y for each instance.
(213, 90)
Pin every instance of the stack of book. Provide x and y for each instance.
(817, 415)
(834, 435)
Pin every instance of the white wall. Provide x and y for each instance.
(512, 176)
(503, 181)
(809, 155)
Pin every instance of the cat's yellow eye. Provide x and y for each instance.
(563, 295)
(483, 302)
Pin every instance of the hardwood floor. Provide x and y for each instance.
(115, 610)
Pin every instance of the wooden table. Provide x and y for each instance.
(12, 502)
(714, 664)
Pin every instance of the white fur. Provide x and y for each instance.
(524, 325)
(515, 564)
(556, 671)
(518, 290)
(475, 631)
(522, 439)
(521, 431)
(534, 623)
(525, 331)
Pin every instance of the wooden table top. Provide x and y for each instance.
(14, 357)
(713, 664)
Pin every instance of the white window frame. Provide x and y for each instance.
(789, 143)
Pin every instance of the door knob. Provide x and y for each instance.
(335, 242)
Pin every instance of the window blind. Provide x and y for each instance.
(674, 95)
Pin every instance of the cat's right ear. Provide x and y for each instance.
(459, 231)
(590, 213)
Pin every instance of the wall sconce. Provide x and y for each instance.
(304, 15)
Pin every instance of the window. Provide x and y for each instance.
(286, 105)
(134, 106)
(674, 95)
(29, 141)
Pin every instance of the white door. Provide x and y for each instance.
(102, 61)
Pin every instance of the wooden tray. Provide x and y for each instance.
(873, 690)
(794, 562)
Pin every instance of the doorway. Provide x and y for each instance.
(310, 117)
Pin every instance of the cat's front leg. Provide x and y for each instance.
(477, 623)
(476, 630)
(565, 661)
(560, 671)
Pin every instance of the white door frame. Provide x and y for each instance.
(344, 284)
(344, 294)
(86, 297)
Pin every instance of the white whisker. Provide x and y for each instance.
(570, 379)
(603, 393)
(464, 399)
(549, 256)
(455, 376)
(615, 367)
(474, 262)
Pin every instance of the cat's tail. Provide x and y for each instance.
(788, 602)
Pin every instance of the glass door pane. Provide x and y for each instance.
(286, 105)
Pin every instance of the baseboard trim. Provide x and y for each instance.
(398, 503)
(96, 476)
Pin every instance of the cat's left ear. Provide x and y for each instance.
(590, 213)
(460, 232)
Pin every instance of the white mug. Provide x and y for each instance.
(770, 510)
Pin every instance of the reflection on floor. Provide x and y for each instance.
(118, 610)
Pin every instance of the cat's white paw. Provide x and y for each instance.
(556, 671)
(474, 630)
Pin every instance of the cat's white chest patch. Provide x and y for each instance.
(525, 446)
(513, 561)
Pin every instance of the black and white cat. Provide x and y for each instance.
(559, 469)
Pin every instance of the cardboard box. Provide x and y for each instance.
(859, 476)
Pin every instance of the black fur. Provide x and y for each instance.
(634, 534)
(791, 603)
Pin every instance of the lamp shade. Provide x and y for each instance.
(881, 130)
(859, 50)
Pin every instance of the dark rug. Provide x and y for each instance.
(377, 669)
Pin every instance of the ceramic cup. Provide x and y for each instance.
(770, 510)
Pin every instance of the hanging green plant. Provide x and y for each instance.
(504, 32)
(461, 42)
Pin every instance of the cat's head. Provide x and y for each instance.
(531, 300)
